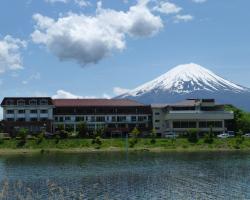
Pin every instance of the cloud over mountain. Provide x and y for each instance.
(88, 39)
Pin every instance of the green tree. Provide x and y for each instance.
(134, 140)
(62, 132)
(193, 135)
(209, 137)
(22, 133)
(241, 119)
(153, 136)
(82, 130)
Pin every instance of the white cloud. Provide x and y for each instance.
(89, 39)
(57, 1)
(199, 1)
(10, 56)
(167, 8)
(82, 3)
(185, 18)
(35, 76)
(119, 91)
(62, 94)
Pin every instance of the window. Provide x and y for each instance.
(133, 118)
(10, 111)
(157, 121)
(157, 113)
(121, 118)
(44, 102)
(33, 111)
(67, 118)
(21, 119)
(43, 119)
(79, 119)
(113, 119)
(10, 102)
(21, 102)
(33, 102)
(100, 119)
(208, 124)
(44, 111)
(56, 119)
(141, 118)
(33, 119)
(61, 119)
(157, 128)
(21, 111)
(184, 124)
(10, 119)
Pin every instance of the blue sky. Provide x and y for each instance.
(70, 48)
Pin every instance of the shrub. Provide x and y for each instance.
(64, 134)
(153, 136)
(82, 130)
(57, 139)
(132, 142)
(39, 138)
(193, 135)
(209, 138)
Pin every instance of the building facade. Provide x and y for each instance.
(33, 113)
(115, 116)
(201, 114)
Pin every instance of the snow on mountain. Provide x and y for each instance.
(185, 79)
(189, 81)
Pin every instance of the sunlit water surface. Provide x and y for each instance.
(141, 175)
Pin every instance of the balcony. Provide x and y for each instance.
(196, 114)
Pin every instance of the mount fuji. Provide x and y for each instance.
(190, 81)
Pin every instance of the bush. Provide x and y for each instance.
(57, 139)
(209, 138)
(23, 132)
(153, 136)
(132, 142)
(82, 130)
(64, 134)
(98, 141)
(193, 135)
(39, 138)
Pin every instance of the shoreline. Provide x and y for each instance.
(111, 150)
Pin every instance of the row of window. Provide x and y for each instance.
(71, 127)
(32, 102)
(202, 124)
(23, 119)
(24, 111)
(101, 118)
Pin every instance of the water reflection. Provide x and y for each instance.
(141, 175)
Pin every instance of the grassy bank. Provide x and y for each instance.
(86, 145)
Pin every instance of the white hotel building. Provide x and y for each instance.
(191, 113)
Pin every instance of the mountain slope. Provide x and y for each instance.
(190, 81)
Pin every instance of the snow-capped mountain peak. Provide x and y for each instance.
(184, 79)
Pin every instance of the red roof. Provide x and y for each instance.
(94, 102)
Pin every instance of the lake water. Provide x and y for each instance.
(141, 175)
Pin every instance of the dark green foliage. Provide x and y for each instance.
(62, 132)
(209, 137)
(82, 130)
(241, 119)
(134, 140)
(193, 135)
(153, 136)
(40, 138)
(57, 139)
(23, 132)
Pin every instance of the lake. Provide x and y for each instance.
(141, 175)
